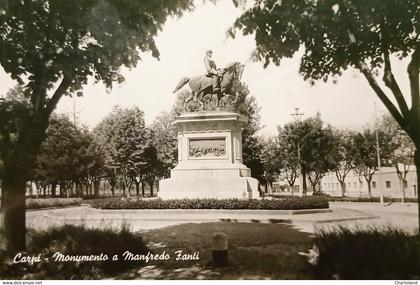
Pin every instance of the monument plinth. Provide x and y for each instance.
(209, 159)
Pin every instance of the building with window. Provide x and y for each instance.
(358, 187)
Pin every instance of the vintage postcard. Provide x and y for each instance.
(209, 140)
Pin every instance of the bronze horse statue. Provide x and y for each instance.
(203, 85)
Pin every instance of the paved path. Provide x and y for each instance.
(399, 215)
(343, 213)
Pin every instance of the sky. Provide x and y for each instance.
(278, 89)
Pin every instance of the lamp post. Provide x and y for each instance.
(297, 116)
(378, 156)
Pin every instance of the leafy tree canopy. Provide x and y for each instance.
(43, 41)
(52, 47)
(67, 154)
(338, 34)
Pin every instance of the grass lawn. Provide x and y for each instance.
(256, 251)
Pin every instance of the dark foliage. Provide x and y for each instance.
(367, 254)
(72, 240)
(229, 204)
(52, 203)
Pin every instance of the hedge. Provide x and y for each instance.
(373, 253)
(230, 204)
(52, 202)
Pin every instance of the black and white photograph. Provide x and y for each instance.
(209, 140)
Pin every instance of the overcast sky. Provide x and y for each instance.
(182, 44)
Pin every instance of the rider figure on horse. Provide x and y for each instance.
(212, 71)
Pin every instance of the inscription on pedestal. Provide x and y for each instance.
(207, 148)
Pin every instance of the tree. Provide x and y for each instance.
(289, 139)
(104, 136)
(68, 155)
(271, 161)
(166, 142)
(57, 157)
(152, 168)
(288, 155)
(251, 141)
(127, 144)
(339, 34)
(346, 154)
(318, 147)
(366, 160)
(90, 163)
(52, 48)
(403, 155)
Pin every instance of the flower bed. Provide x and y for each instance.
(230, 204)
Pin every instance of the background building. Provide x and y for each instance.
(357, 186)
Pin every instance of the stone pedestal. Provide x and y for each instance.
(209, 159)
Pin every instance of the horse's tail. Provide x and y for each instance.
(181, 83)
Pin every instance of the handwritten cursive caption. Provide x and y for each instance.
(126, 256)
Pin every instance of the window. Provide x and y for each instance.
(405, 183)
(361, 185)
(415, 190)
(355, 185)
(349, 185)
(388, 184)
(337, 186)
(373, 184)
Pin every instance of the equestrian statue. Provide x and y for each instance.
(215, 81)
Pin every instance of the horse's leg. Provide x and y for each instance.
(199, 97)
(187, 101)
(236, 97)
(219, 98)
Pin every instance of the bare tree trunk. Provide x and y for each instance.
(77, 188)
(53, 189)
(137, 188)
(96, 184)
(13, 220)
(402, 188)
(291, 181)
(343, 188)
(417, 163)
(113, 189)
(61, 192)
(30, 189)
(151, 187)
(270, 188)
